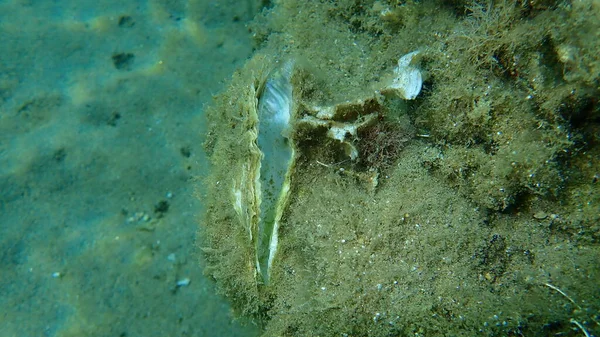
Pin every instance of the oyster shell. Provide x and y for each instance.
(259, 155)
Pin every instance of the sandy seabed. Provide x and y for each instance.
(101, 126)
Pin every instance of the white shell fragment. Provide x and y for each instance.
(340, 133)
(334, 120)
(408, 81)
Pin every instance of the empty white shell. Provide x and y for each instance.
(407, 81)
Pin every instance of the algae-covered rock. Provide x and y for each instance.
(422, 217)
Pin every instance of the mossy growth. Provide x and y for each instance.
(229, 252)
(493, 198)
(498, 89)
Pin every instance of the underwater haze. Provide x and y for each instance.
(101, 130)
(299, 168)
(444, 179)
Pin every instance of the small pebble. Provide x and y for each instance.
(183, 282)
(171, 257)
(540, 215)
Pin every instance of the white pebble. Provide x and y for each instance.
(183, 282)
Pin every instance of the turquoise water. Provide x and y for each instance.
(101, 130)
